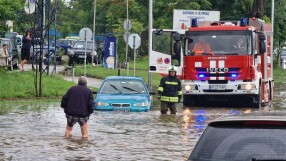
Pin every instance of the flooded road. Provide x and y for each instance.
(35, 132)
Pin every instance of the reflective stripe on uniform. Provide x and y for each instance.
(160, 89)
(173, 83)
(180, 93)
(169, 99)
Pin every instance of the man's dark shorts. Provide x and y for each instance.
(71, 120)
(25, 54)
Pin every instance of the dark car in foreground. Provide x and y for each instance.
(247, 137)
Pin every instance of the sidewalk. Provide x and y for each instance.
(92, 82)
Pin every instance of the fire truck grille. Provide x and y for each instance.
(217, 81)
(205, 69)
(227, 90)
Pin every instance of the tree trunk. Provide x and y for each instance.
(258, 9)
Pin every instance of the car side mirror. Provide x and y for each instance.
(94, 92)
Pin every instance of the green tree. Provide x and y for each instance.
(9, 11)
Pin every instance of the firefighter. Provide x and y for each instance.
(170, 91)
(239, 44)
(202, 46)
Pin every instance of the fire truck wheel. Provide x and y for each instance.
(257, 101)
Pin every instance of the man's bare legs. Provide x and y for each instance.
(84, 131)
(83, 128)
(68, 131)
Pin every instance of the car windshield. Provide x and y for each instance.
(283, 53)
(123, 87)
(81, 45)
(240, 143)
(65, 42)
(218, 43)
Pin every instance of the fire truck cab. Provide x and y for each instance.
(222, 61)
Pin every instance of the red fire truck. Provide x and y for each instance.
(228, 72)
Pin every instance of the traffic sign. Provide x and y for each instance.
(127, 25)
(85, 34)
(134, 41)
(125, 36)
(30, 6)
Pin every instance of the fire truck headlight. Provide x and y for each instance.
(248, 86)
(190, 87)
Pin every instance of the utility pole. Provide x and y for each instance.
(94, 11)
(150, 27)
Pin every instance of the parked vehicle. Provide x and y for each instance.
(246, 137)
(16, 38)
(73, 38)
(53, 56)
(36, 45)
(64, 44)
(77, 52)
(13, 52)
(283, 56)
(19, 43)
(223, 74)
(123, 93)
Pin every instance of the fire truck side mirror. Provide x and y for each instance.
(176, 36)
(177, 48)
(262, 47)
(159, 32)
(262, 44)
(262, 36)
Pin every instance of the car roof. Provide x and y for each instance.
(84, 41)
(253, 116)
(123, 77)
(7, 39)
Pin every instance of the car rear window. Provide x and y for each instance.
(241, 142)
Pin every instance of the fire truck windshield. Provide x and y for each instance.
(218, 43)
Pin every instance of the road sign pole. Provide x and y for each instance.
(127, 18)
(85, 54)
(85, 34)
(134, 53)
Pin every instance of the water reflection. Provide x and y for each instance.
(35, 132)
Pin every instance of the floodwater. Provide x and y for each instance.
(32, 132)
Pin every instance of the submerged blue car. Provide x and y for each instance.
(126, 93)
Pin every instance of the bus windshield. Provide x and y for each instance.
(218, 43)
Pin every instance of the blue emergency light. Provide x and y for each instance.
(195, 22)
(202, 75)
(243, 22)
(233, 75)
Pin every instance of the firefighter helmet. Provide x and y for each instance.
(172, 68)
